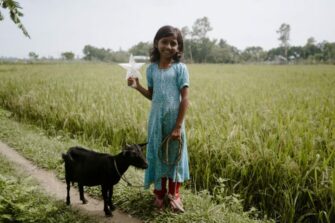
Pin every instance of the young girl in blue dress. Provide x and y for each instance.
(168, 82)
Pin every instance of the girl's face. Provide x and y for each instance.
(167, 47)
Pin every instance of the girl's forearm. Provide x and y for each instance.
(182, 107)
(145, 92)
(182, 111)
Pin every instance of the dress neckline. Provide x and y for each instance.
(164, 69)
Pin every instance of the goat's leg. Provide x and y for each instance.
(81, 193)
(68, 192)
(105, 197)
(110, 198)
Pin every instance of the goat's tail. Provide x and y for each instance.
(67, 160)
(67, 157)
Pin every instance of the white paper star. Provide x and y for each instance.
(132, 68)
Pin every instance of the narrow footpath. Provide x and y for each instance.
(57, 189)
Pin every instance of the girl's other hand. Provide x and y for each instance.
(176, 134)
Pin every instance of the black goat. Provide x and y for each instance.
(90, 168)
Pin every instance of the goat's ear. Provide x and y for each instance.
(142, 145)
(125, 146)
(124, 152)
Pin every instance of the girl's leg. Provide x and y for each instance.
(174, 196)
(160, 194)
(174, 188)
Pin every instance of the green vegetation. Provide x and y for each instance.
(265, 132)
(14, 10)
(22, 201)
(34, 144)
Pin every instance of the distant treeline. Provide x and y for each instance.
(198, 48)
(213, 51)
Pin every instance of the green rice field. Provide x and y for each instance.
(266, 131)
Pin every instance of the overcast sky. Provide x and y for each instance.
(56, 26)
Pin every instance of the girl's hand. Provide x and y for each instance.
(133, 82)
(176, 134)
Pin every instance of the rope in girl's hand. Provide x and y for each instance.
(165, 150)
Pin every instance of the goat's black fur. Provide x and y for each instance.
(90, 168)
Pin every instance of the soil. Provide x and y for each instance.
(57, 189)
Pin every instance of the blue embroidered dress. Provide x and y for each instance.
(166, 85)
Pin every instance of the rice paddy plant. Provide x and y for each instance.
(267, 130)
(64, 98)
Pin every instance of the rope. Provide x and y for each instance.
(124, 178)
(165, 150)
(163, 146)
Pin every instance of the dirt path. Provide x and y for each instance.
(57, 189)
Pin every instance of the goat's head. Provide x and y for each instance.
(135, 156)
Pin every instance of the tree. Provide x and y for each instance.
(296, 53)
(33, 56)
(253, 54)
(310, 49)
(274, 53)
(185, 31)
(201, 46)
(93, 53)
(107, 55)
(68, 55)
(15, 13)
(224, 53)
(203, 50)
(200, 28)
(284, 36)
(328, 50)
(311, 41)
(142, 48)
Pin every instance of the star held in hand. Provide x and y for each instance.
(132, 68)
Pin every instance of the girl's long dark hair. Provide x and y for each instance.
(167, 31)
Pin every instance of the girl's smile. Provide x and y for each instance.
(167, 47)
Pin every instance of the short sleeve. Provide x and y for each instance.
(183, 77)
(149, 76)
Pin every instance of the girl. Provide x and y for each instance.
(168, 82)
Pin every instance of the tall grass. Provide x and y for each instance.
(22, 201)
(267, 130)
